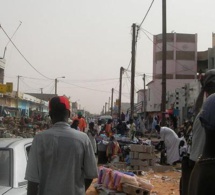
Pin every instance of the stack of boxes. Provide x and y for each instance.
(142, 156)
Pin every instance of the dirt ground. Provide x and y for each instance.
(166, 183)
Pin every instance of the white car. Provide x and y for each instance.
(13, 161)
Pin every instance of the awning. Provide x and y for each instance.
(10, 108)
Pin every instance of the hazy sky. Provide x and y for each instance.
(87, 41)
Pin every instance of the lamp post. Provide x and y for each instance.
(56, 83)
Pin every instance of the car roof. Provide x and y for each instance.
(12, 142)
(105, 117)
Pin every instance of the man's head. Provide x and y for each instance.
(59, 109)
(109, 121)
(79, 114)
(131, 121)
(208, 82)
(157, 128)
(112, 138)
(75, 122)
(91, 125)
(208, 87)
(207, 116)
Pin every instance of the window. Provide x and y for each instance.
(5, 167)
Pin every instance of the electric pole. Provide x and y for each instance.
(105, 107)
(18, 86)
(17, 100)
(55, 86)
(144, 94)
(163, 101)
(133, 69)
(120, 91)
(109, 105)
(112, 101)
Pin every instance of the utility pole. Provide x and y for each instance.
(109, 105)
(112, 102)
(56, 83)
(133, 69)
(144, 94)
(105, 107)
(120, 91)
(17, 95)
(55, 86)
(163, 101)
(18, 86)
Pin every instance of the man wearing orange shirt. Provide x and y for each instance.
(82, 123)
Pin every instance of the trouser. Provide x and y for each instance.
(186, 169)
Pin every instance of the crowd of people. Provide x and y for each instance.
(66, 153)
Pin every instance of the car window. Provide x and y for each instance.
(5, 167)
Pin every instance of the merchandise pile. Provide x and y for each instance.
(111, 181)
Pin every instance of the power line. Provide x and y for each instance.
(14, 33)
(184, 66)
(85, 87)
(22, 54)
(146, 13)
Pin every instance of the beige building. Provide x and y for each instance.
(181, 66)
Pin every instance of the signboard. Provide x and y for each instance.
(3, 88)
(9, 87)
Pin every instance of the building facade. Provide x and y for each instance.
(181, 66)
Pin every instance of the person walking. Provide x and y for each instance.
(203, 175)
(92, 133)
(81, 122)
(142, 126)
(108, 128)
(131, 129)
(198, 133)
(61, 161)
(153, 130)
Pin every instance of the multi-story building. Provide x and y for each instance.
(181, 66)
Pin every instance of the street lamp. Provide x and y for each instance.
(56, 83)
